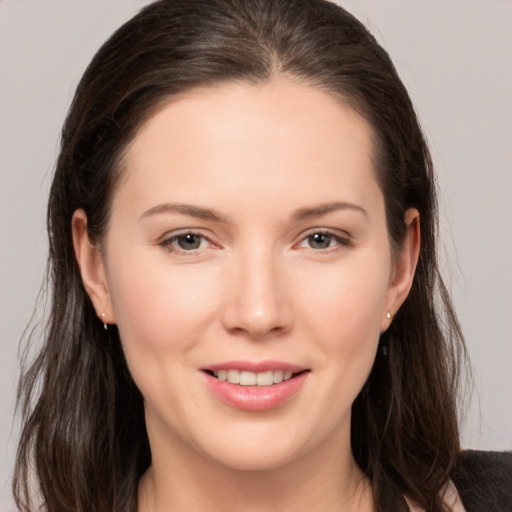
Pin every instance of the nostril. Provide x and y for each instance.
(258, 331)
(259, 306)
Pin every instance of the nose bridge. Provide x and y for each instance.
(259, 304)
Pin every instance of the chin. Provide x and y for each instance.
(254, 459)
(258, 450)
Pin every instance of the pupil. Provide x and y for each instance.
(189, 241)
(320, 241)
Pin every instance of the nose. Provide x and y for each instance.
(257, 302)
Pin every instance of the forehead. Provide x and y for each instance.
(247, 138)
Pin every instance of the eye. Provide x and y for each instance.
(322, 240)
(186, 242)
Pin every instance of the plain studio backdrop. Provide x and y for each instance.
(454, 58)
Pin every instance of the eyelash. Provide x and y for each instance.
(171, 243)
(340, 241)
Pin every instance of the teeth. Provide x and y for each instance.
(244, 378)
(278, 376)
(234, 376)
(265, 378)
(247, 379)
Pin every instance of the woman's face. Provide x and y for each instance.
(248, 242)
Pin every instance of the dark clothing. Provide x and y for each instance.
(484, 481)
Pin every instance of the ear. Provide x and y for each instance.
(92, 268)
(404, 267)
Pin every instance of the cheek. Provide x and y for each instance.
(161, 317)
(158, 309)
(349, 299)
(344, 315)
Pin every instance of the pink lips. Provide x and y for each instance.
(255, 398)
(250, 366)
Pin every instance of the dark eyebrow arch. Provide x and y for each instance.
(185, 209)
(323, 209)
(207, 214)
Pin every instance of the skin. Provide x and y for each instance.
(256, 288)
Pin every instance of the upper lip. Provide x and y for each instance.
(256, 366)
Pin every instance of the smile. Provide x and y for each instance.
(255, 386)
(247, 378)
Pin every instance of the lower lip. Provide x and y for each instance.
(256, 398)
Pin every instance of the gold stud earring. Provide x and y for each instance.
(105, 326)
(388, 315)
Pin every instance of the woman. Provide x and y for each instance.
(247, 310)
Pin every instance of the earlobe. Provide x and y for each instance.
(404, 267)
(92, 268)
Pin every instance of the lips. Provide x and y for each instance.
(245, 378)
(255, 386)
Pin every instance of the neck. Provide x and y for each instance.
(319, 481)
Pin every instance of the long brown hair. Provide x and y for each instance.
(84, 436)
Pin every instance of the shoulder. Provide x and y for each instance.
(484, 480)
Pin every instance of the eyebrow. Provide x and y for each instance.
(323, 209)
(185, 209)
(208, 214)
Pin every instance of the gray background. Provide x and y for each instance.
(454, 57)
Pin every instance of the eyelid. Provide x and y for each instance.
(342, 237)
(166, 241)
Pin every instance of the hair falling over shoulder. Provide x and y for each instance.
(83, 444)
